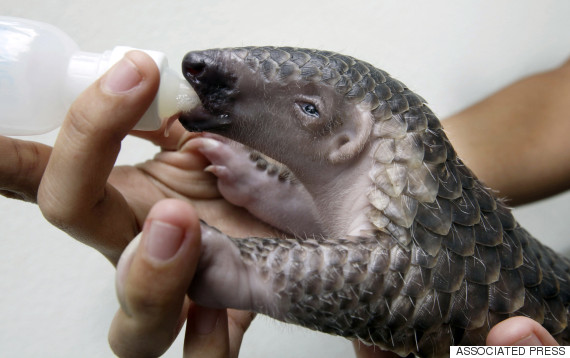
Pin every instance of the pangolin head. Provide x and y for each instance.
(215, 73)
(322, 110)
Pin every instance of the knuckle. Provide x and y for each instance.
(89, 126)
(142, 302)
(21, 169)
(67, 212)
(55, 212)
(80, 122)
(147, 303)
(96, 115)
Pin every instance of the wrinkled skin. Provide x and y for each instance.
(251, 180)
(409, 250)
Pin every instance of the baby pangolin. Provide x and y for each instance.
(391, 238)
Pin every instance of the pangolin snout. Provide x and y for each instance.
(209, 74)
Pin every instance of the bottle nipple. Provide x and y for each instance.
(175, 95)
(187, 98)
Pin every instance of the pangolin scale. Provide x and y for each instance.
(439, 261)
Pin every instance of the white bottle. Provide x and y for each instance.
(42, 71)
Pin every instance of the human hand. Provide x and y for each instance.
(79, 190)
(515, 331)
(520, 331)
(153, 276)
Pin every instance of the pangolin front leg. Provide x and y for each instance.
(266, 188)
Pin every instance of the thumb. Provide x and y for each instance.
(74, 193)
(153, 275)
(520, 331)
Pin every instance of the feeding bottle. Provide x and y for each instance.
(42, 71)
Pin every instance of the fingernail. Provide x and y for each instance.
(206, 320)
(530, 340)
(163, 240)
(122, 77)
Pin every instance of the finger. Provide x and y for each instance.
(152, 279)
(74, 194)
(520, 331)
(182, 171)
(206, 333)
(365, 351)
(214, 333)
(238, 323)
(167, 137)
(21, 168)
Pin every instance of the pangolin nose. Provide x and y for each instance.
(207, 71)
(212, 76)
(193, 65)
(194, 69)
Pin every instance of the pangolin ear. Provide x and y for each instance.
(350, 138)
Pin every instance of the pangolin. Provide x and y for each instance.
(390, 239)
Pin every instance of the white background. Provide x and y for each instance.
(57, 297)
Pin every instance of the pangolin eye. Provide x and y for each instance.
(310, 109)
